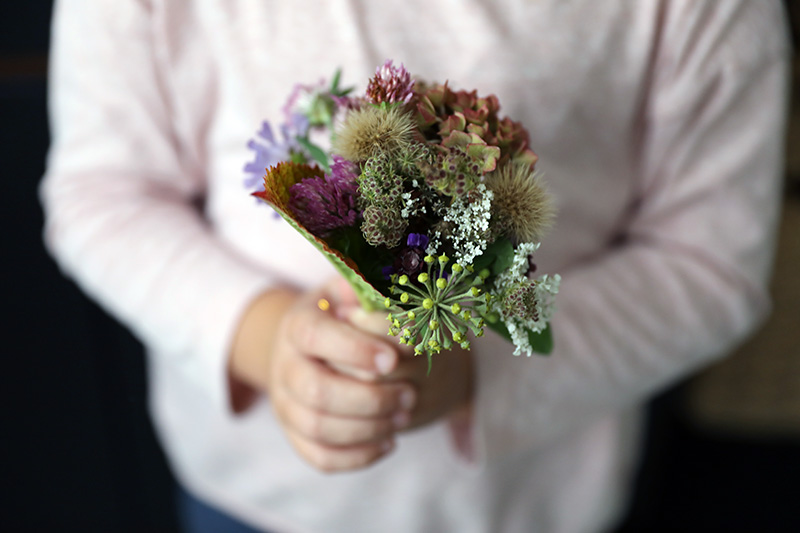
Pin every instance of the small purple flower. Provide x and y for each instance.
(325, 204)
(417, 240)
(271, 151)
(387, 272)
(391, 85)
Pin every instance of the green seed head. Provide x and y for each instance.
(455, 308)
(404, 297)
(429, 259)
(443, 259)
(484, 273)
(387, 302)
(427, 303)
(403, 280)
(475, 292)
(423, 278)
(458, 336)
(433, 324)
(441, 283)
(456, 268)
(412, 315)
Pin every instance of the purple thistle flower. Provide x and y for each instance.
(325, 204)
(390, 84)
(270, 151)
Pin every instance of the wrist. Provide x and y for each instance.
(250, 358)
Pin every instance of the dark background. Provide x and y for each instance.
(78, 450)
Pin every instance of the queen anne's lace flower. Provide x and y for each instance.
(523, 304)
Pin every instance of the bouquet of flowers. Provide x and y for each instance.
(427, 202)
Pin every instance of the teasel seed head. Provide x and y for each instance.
(522, 208)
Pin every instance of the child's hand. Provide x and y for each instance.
(335, 422)
(445, 391)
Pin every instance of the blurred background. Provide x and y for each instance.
(722, 449)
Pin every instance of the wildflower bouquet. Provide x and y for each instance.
(427, 202)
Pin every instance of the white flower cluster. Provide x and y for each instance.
(412, 206)
(470, 218)
(545, 287)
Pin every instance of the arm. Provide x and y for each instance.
(120, 200)
(689, 278)
(120, 196)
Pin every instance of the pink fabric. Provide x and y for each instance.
(659, 127)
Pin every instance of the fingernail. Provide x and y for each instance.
(401, 419)
(384, 362)
(407, 398)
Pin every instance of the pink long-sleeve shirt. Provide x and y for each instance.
(659, 128)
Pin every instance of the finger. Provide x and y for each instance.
(373, 322)
(327, 429)
(317, 333)
(317, 387)
(338, 459)
(340, 292)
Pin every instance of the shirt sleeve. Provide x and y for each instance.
(690, 277)
(121, 200)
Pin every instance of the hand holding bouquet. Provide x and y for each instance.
(427, 203)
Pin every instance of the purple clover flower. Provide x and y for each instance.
(325, 204)
(390, 84)
(270, 151)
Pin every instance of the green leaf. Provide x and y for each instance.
(317, 153)
(335, 81)
(497, 257)
(369, 297)
(335, 89)
(541, 343)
